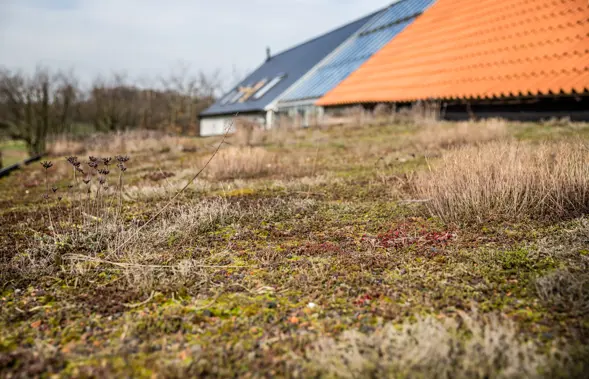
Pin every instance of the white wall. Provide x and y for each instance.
(214, 126)
(307, 113)
(217, 125)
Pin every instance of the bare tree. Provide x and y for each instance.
(188, 95)
(32, 107)
(37, 106)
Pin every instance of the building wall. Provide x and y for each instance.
(304, 115)
(217, 125)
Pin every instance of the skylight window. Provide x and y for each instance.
(251, 90)
(237, 95)
(264, 90)
(228, 97)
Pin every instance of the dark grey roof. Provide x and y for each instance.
(291, 64)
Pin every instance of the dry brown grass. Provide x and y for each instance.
(96, 240)
(484, 347)
(155, 255)
(508, 181)
(242, 162)
(120, 142)
(435, 136)
(422, 114)
(249, 133)
(565, 290)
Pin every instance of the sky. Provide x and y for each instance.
(151, 38)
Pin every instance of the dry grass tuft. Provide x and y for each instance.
(565, 290)
(483, 347)
(508, 181)
(83, 248)
(63, 146)
(436, 136)
(247, 132)
(121, 142)
(164, 251)
(242, 162)
(253, 162)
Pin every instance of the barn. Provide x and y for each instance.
(517, 59)
(384, 26)
(255, 97)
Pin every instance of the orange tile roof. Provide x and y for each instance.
(478, 49)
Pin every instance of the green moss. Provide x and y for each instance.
(240, 192)
(292, 247)
(520, 260)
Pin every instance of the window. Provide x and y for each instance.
(264, 90)
(251, 90)
(237, 95)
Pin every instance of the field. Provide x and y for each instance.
(450, 250)
(12, 152)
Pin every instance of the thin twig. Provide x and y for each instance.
(137, 305)
(209, 303)
(415, 201)
(171, 201)
(166, 180)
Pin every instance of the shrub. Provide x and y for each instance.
(508, 181)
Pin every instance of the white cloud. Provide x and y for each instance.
(147, 37)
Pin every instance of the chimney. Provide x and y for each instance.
(268, 54)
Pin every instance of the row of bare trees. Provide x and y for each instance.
(37, 106)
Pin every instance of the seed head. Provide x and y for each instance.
(47, 165)
(121, 167)
(102, 180)
(122, 158)
(93, 164)
(59, 198)
(73, 161)
(45, 196)
(78, 169)
(104, 171)
(106, 161)
(54, 189)
(93, 159)
(70, 186)
(86, 180)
